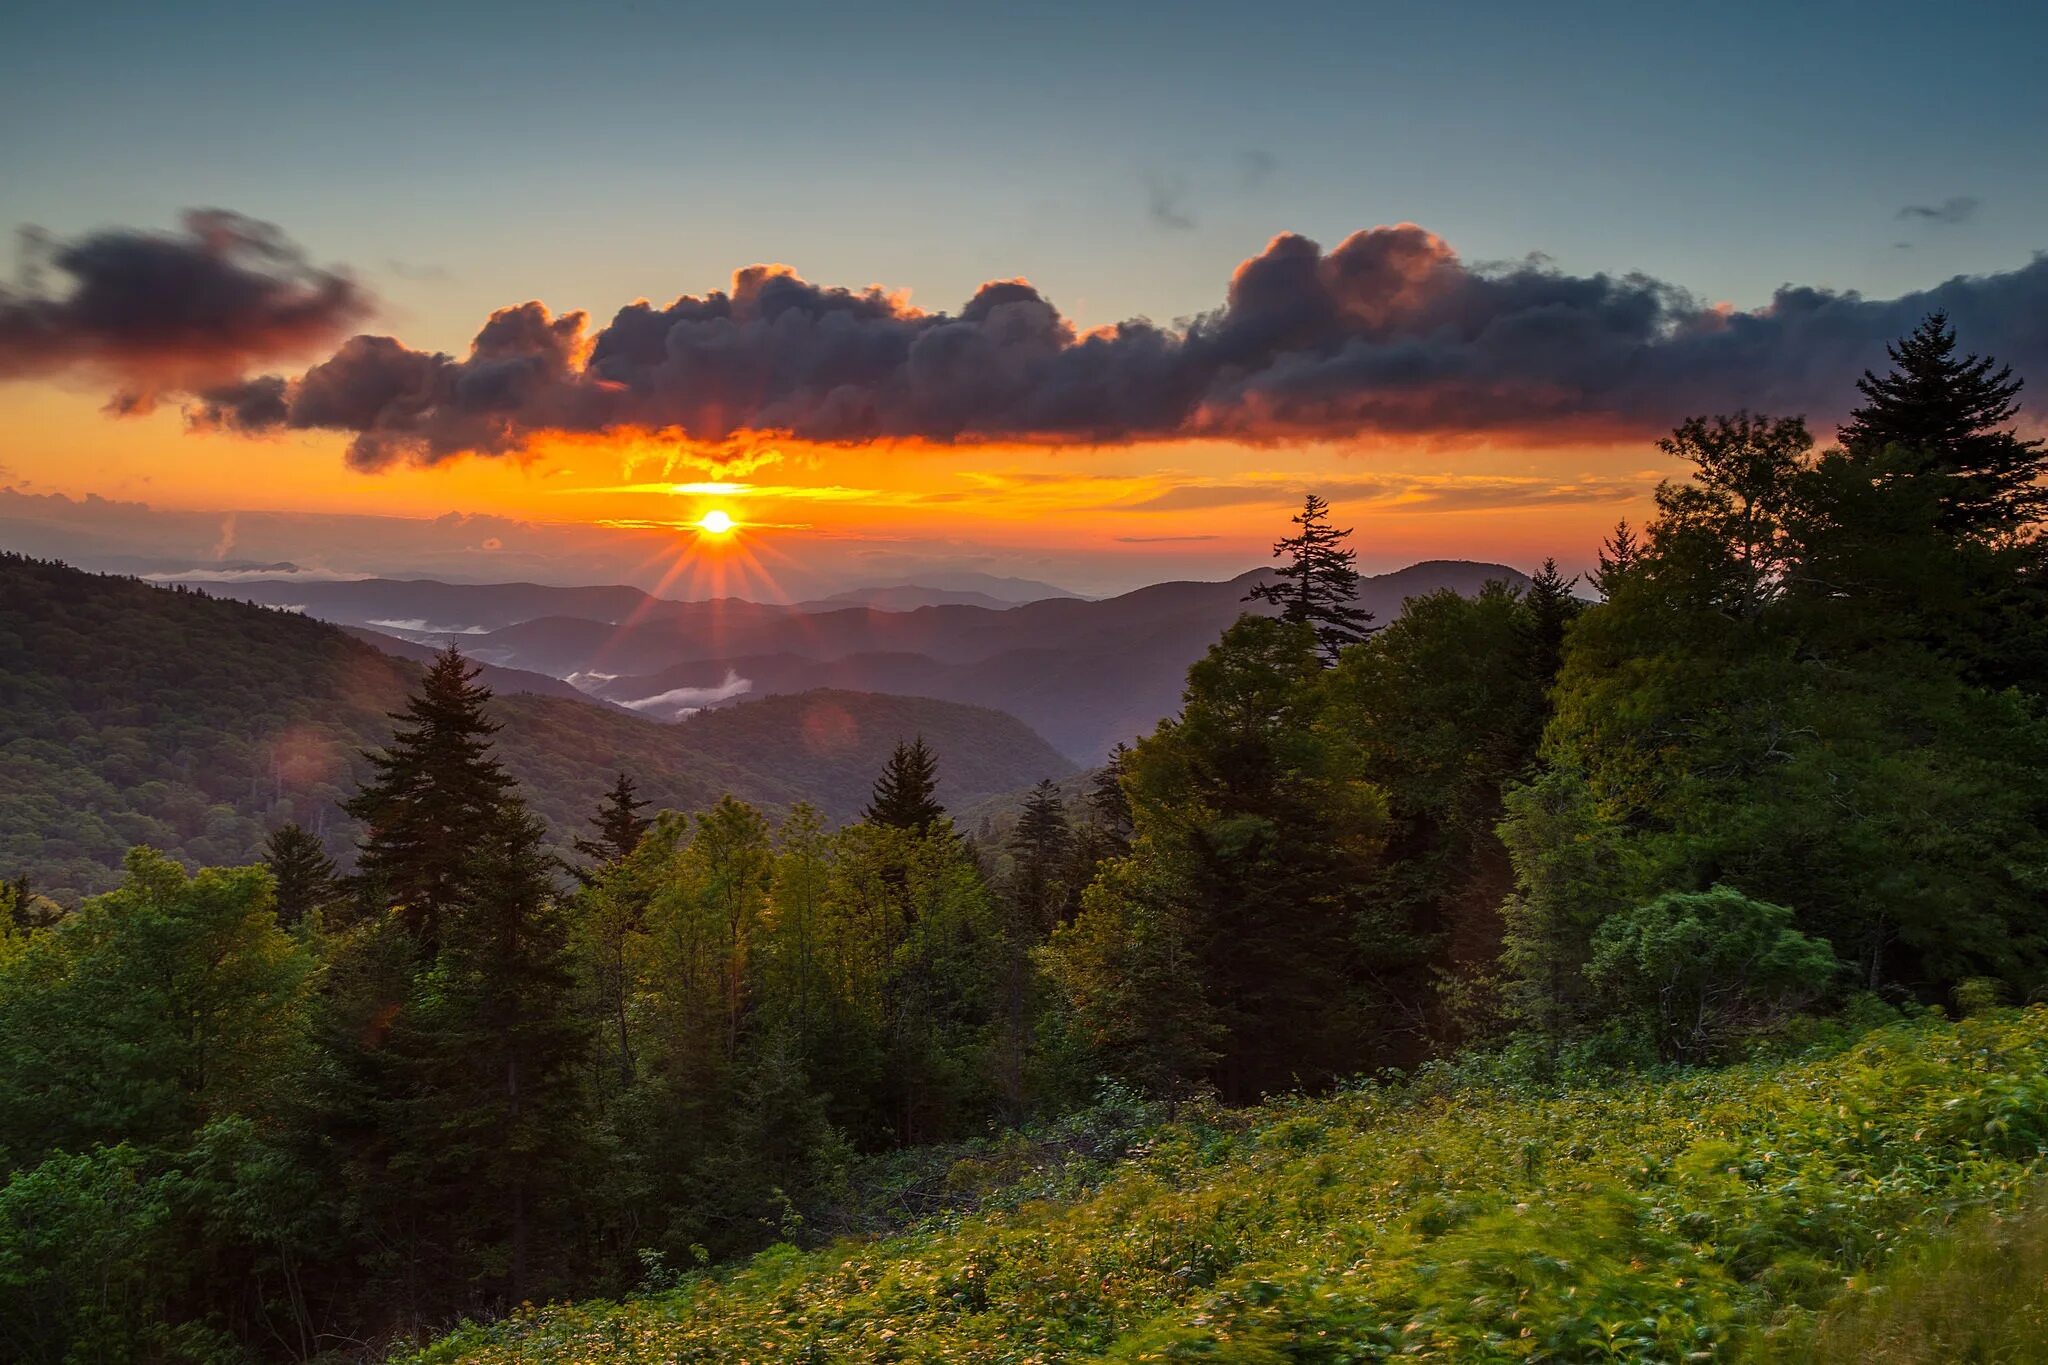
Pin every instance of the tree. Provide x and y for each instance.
(306, 879)
(618, 824)
(1040, 846)
(1704, 965)
(904, 796)
(490, 1042)
(1255, 834)
(436, 796)
(1552, 608)
(1447, 704)
(1727, 526)
(1952, 414)
(1618, 554)
(1318, 584)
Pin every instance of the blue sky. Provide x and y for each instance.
(1123, 158)
(589, 154)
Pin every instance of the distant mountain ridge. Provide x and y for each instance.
(1084, 673)
(136, 714)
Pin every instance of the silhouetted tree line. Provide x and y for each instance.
(1794, 753)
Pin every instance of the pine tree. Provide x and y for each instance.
(1620, 553)
(436, 796)
(493, 1040)
(1318, 584)
(1041, 845)
(619, 825)
(1552, 608)
(904, 794)
(305, 876)
(1952, 414)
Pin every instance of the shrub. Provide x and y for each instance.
(1706, 966)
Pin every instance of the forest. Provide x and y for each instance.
(1538, 974)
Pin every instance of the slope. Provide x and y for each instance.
(133, 714)
(1454, 1218)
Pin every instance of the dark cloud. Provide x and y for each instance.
(165, 311)
(1959, 208)
(1255, 166)
(1387, 333)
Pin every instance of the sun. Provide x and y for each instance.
(716, 522)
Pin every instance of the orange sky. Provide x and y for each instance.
(1211, 502)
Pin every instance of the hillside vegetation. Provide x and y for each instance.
(137, 715)
(1459, 1217)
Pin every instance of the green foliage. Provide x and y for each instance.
(1701, 966)
(1973, 1294)
(1441, 1220)
(152, 1011)
(1253, 834)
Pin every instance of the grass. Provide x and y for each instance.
(1457, 1217)
(1978, 1295)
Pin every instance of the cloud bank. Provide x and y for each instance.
(171, 311)
(1388, 333)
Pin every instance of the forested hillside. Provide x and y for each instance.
(131, 714)
(1595, 892)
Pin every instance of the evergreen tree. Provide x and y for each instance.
(1552, 608)
(1318, 584)
(1953, 414)
(1040, 846)
(492, 1040)
(306, 877)
(1109, 806)
(437, 795)
(1620, 553)
(619, 825)
(904, 794)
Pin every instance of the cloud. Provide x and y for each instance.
(1166, 202)
(1404, 492)
(1389, 333)
(1255, 166)
(421, 626)
(181, 311)
(1959, 208)
(265, 574)
(683, 701)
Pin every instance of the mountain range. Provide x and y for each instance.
(132, 714)
(1085, 674)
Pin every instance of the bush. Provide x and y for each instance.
(1704, 967)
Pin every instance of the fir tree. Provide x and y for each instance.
(904, 794)
(1620, 553)
(1318, 585)
(1552, 608)
(1953, 414)
(1109, 806)
(305, 876)
(619, 825)
(1041, 844)
(437, 795)
(492, 1039)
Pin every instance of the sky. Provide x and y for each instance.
(1455, 266)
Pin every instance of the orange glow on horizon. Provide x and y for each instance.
(1181, 502)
